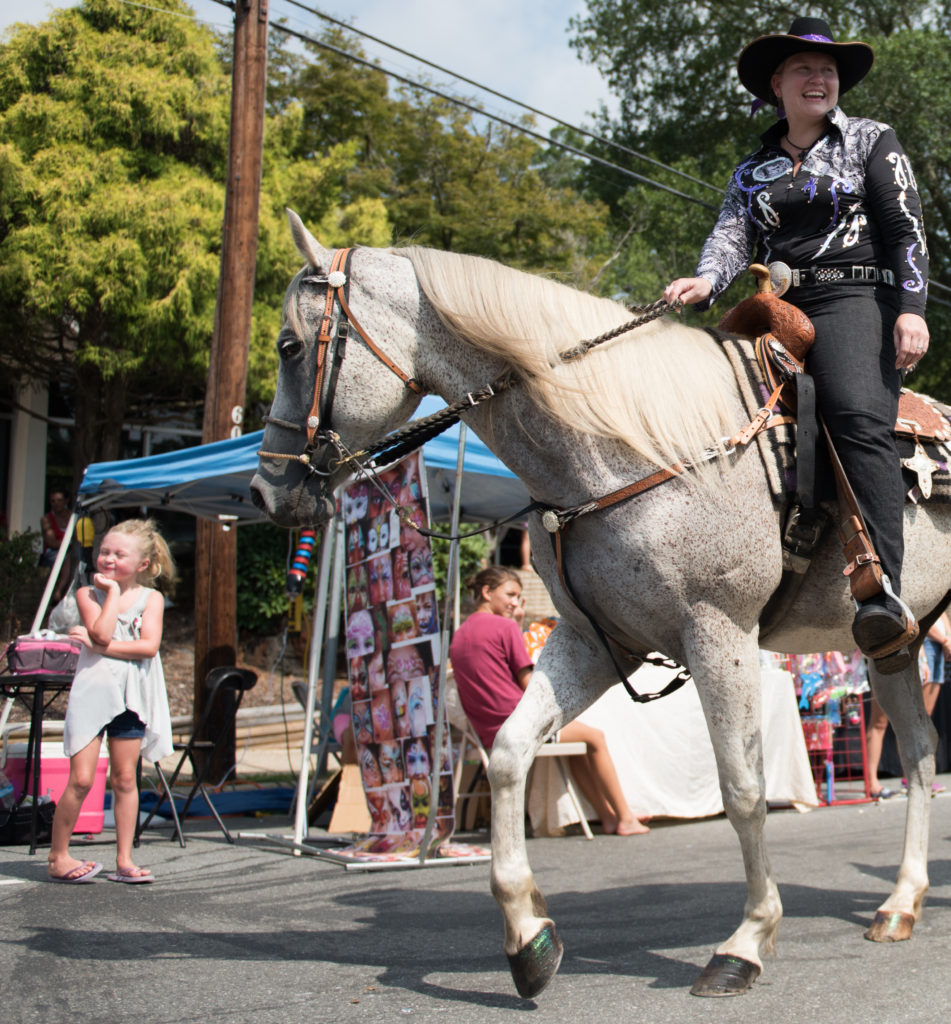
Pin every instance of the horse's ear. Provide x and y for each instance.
(308, 246)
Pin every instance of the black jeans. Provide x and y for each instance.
(857, 387)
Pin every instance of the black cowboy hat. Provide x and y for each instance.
(759, 60)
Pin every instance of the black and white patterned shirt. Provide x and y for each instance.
(854, 202)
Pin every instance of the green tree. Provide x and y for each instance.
(113, 150)
(445, 177)
(113, 127)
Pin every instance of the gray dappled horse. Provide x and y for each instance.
(685, 568)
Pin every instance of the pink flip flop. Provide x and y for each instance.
(84, 872)
(132, 876)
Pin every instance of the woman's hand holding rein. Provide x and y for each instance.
(688, 289)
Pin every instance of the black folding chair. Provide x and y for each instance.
(227, 679)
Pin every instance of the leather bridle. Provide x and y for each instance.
(331, 350)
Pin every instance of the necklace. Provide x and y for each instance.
(803, 150)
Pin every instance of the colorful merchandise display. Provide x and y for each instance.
(830, 688)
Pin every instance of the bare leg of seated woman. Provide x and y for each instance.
(598, 779)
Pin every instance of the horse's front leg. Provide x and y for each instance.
(561, 686)
(900, 698)
(725, 665)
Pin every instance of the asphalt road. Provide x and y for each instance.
(250, 933)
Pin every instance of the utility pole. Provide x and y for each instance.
(215, 544)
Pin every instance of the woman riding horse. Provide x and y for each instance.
(830, 202)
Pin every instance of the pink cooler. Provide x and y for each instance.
(54, 774)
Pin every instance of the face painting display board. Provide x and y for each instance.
(394, 656)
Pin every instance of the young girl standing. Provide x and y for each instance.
(118, 691)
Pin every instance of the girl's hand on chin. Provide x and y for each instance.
(104, 582)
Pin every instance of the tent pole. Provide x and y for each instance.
(331, 645)
(452, 583)
(45, 600)
(316, 638)
(54, 572)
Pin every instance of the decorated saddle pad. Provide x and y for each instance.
(923, 430)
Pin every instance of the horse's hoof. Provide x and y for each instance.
(726, 975)
(537, 962)
(891, 926)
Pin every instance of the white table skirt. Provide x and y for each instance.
(664, 757)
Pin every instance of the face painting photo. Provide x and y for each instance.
(382, 714)
(358, 594)
(402, 617)
(398, 700)
(362, 723)
(426, 617)
(391, 762)
(380, 815)
(378, 535)
(400, 806)
(402, 585)
(421, 566)
(359, 683)
(380, 577)
(355, 501)
(416, 757)
(355, 547)
(360, 634)
(420, 800)
(370, 769)
(403, 663)
(419, 705)
(376, 672)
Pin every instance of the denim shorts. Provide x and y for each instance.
(935, 655)
(127, 726)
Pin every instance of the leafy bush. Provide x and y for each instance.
(263, 555)
(472, 556)
(17, 569)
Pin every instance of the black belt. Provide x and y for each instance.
(801, 277)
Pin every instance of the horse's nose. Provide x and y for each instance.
(257, 498)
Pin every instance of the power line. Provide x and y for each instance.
(481, 112)
(509, 99)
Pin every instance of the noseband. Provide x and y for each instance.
(317, 424)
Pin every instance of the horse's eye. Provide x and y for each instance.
(289, 347)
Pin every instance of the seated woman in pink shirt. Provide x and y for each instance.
(492, 665)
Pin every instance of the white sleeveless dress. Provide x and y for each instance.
(104, 687)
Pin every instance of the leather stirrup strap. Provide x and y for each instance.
(806, 437)
(863, 568)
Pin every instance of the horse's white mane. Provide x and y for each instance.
(664, 389)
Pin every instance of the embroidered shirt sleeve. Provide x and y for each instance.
(729, 248)
(894, 202)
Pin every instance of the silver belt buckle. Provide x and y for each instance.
(780, 277)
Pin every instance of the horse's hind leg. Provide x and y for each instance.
(900, 698)
(728, 682)
(554, 696)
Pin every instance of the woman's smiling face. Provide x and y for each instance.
(807, 85)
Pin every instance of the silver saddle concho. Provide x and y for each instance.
(780, 277)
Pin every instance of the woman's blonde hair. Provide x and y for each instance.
(152, 546)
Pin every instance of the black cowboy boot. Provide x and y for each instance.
(883, 630)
